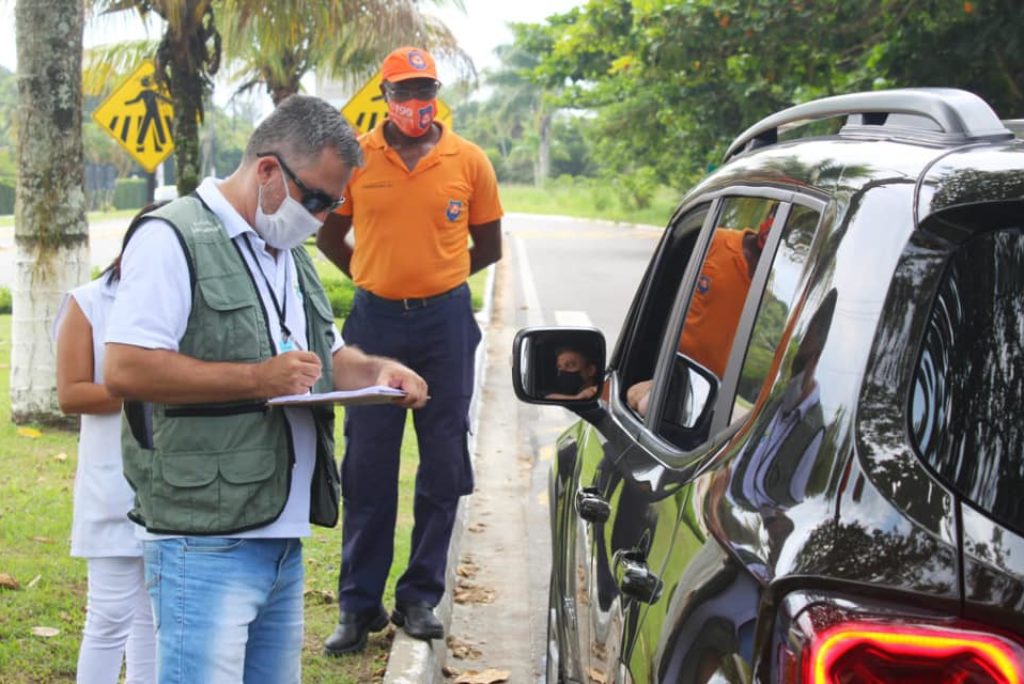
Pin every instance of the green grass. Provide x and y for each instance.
(35, 524)
(36, 476)
(588, 199)
(7, 220)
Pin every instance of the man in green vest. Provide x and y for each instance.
(219, 308)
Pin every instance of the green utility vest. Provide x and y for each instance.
(218, 469)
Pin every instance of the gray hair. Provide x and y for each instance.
(300, 128)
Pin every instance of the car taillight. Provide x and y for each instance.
(867, 653)
(831, 645)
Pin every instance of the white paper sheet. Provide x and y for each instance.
(378, 394)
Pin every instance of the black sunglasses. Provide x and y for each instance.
(400, 93)
(313, 200)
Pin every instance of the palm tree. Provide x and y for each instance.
(51, 233)
(187, 57)
(278, 45)
(522, 98)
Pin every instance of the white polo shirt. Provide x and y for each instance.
(152, 307)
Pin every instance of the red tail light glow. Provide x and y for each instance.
(873, 652)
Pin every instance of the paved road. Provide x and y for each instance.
(104, 244)
(555, 272)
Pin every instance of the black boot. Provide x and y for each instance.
(418, 619)
(350, 634)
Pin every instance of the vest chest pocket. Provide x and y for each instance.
(230, 328)
(211, 491)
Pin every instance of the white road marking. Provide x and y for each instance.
(575, 319)
(534, 314)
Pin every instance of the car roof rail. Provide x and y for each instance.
(960, 116)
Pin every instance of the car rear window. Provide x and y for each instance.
(967, 409)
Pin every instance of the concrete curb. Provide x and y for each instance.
(413, 661)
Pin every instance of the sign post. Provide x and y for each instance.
(367, 108)
(138, 116)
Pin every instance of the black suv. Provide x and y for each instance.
(804, 461)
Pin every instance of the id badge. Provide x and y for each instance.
(286, 345)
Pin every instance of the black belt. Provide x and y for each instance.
(410, 303)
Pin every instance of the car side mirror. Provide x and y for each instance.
(558, 366)
(690, 402)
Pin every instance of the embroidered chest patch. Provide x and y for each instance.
(454, 210)
(704, 284)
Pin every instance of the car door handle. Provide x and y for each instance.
(591, 506)
(635, 579)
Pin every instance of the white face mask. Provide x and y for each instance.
(287, 227)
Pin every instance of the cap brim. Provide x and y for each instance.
(408, 76)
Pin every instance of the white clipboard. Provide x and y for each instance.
(377, 394)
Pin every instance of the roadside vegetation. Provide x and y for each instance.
(42, 589)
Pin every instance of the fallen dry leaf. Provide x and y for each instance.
(8, 582)
(462, 650)
(596, 676)
(45, 632)
(31, 433)
(33, 582)
(42, 540)
(60, 457)
(449, 671)
(488, 676)
(467, 569)
(477, 527)
(467, 592)
(320, 595)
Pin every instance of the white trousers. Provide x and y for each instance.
(118, 624)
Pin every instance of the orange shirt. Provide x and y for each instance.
(412, 227)
(717, 302)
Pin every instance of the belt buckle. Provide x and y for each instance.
(422, 302)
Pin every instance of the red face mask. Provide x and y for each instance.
(413, 117)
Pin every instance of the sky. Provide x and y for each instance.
(480, 29)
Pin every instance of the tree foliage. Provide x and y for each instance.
(276, 45)
(672, 81)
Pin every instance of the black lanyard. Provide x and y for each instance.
(281, 307)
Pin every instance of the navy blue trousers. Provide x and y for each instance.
(438, 341)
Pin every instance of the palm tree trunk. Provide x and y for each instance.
(51, 233)
(187, 96)
(544, 151)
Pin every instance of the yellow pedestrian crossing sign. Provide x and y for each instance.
(367, 108)
(138, 116)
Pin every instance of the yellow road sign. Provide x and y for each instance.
(138, 116)
(367, 108)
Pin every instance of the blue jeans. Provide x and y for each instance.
(226, 610)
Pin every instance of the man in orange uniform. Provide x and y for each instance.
(422, 193)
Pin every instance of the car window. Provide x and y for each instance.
(776, 304)
(968, 396)
(712, 317)
(649, 315)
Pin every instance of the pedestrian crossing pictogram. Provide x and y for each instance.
(138, 115)
(367, 108)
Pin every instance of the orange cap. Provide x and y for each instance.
(408, 62)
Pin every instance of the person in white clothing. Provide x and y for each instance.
(119, 621)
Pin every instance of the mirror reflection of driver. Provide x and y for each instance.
(717, 302)
(576, 378)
